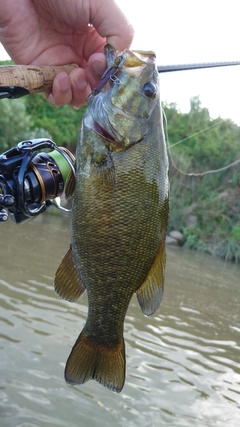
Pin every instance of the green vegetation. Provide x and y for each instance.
(61, 123)
(34, 117)
(6, 62)
(205, 208)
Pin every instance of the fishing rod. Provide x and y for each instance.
(197, 66)
(20, 80)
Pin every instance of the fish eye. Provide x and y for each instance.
(150, 90)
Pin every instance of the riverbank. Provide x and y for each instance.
(204, 180)
(175, 238)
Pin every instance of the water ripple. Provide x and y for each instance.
(183, 364)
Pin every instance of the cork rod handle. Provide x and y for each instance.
(34, 78)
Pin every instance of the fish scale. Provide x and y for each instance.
(119, 219)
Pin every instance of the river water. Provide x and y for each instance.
(183, 363)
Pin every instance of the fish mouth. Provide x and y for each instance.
(100, 124)
(116, 146)
(102, 132)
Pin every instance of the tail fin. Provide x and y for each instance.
(91, 360)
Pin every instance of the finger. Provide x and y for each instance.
(117, 29)
(80, 88)
(61, 93)
(69, 89)
(97, 64)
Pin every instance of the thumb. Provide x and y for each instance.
(111, 23)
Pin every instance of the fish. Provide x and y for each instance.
(119, 216)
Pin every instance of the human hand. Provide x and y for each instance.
(57, 33)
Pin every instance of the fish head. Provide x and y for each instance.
(121, 112)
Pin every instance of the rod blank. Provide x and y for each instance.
(197, 66)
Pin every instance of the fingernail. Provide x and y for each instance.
(81, 83)
(64, 82)
(99, 67)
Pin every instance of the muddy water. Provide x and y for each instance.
(183, 364)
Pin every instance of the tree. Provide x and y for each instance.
(41, 118)
(62, 123)
(14, 123)
(213, 199)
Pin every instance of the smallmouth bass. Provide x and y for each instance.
(119, 216)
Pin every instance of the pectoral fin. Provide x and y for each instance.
(150, 293)
(67, 282)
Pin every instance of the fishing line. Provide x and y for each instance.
(196, 133)
(185, 139)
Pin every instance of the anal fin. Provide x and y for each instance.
(150, 293)
(67, 282)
